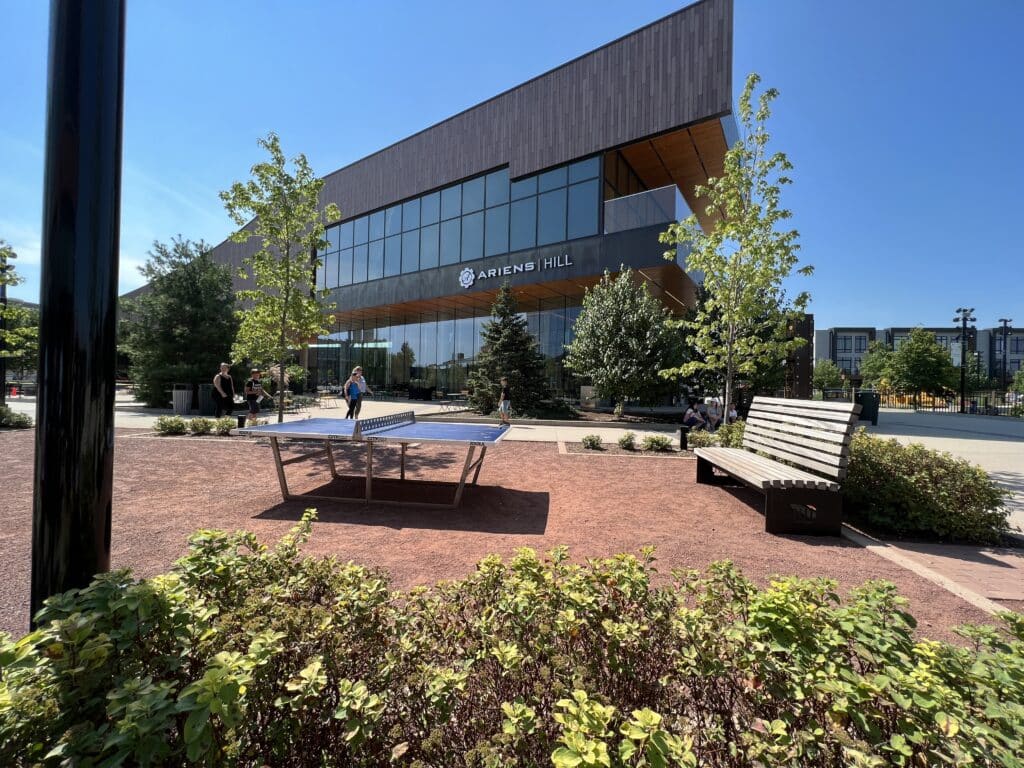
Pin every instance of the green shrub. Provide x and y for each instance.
(1017, 410)
(731, 435)
(909, 490)
(224, 425)
(657, 443)
(628, 441)
(592, 442)
(246, 655)
(170, 425)
(200, 426)
(699, 438)
(11, 420)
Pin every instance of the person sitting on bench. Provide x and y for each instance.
(692, 418)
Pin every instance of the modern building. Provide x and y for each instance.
(544, 186)
(998, 347)
(844, 346)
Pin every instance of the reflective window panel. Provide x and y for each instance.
(451, 237)
(497, 187)
(429, 246)
(430, 208)
(551, 217)
(375, 263)
(410, 215)
(411, 251)
(472, 236)
(583, 208)
(393, 256)
(496, 231)
(473, 195)
(523, 230)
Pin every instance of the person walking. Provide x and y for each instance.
(353, 394)
(364, 388)
(254, 393)
(224, 391)
(504, 402)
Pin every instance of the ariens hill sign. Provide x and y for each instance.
(469, 276)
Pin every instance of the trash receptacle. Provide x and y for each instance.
(181, 399)
(868, 402)
(683, 432)
(206, 405)
(241, 421)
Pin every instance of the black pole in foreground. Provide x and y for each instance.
(81, 212)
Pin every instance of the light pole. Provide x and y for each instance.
(963, 316)
(1006, 330)
(6, 253)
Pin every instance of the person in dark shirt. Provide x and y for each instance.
(504, 402)
(353, 394)
(224, 391)
(254, 393)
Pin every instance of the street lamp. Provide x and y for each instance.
(963, 316)
(1006, 330)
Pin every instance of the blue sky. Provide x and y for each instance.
(902, 120)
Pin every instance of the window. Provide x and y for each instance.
(393, 256)
(585, 169)
(583, 207)
(360, 230)
(430, 208)
(377, 225)
(451, 202)
(552, 179)
(496, 231)
(393, 220)
(845, 364)
(497, 188)
(524, 187)
(410, 251)
(346, 234)
(410, 215)
(473, 195)
(451, 235)
(331, 235)
(1017, 345)
(860, 343)
(345, 267)
(472, 236)
(359, 263)
(551, 217)
(844, 344)
(331, 270)
(375, 262)
(523, 228)
(429, 251)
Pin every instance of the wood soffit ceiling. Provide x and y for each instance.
(686, 157)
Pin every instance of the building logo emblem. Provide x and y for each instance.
(467, 277)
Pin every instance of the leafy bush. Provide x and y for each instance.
(592, 442)
(1017, 410)
(224, 425)
(909, 490)
(247, 656)
(731, 435)
(628, 441)
(11, 420)
(170, 425)
(699, 438)
(657, 443)
(200, 426)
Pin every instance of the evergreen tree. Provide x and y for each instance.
(182, 328)
(622, 340)
(509, 350)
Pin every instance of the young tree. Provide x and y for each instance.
(826, 375)
(746, 257)
(623, 339)
(182, 328)
(509, 350)
(876, 366)
(284, 311)
(19, 325)
(921, 364)
(1017, 385)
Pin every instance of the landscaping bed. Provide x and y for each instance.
(611, 449)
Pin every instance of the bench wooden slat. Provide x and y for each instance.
(824, 436)
(783, 416)
(830, 466)
(762, 472)
(829, 448)
(813, 405)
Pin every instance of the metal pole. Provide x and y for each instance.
(963, 368)
(3, 326)
(1006, 322)
(77, 353)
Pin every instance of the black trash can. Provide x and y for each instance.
(241, 420)
(868, 402)
(683, 432)
(206, 405)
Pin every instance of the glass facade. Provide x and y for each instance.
(481, 217)
(439, 348)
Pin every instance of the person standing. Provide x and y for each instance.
(224, 391)
(364, 388)
(504, 402)
(353, 394)
(254, 393)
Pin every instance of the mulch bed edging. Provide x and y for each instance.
(611, 449)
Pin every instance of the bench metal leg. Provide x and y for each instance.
(803, 511)
(706, 474)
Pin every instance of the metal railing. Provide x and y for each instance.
(645, 209)
(987, 403)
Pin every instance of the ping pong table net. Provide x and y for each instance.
(382, 423)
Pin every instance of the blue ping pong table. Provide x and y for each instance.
(400, 429)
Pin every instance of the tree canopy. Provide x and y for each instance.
(183, 326)
(876, 366)
(623, 339)
(921, 364)
(508, 349)
(826, 375)
(745, 258)
(281, 208)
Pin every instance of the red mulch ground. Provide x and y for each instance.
(530, 495)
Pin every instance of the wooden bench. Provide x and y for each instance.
(779, 433)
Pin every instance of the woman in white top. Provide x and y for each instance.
(714, 413)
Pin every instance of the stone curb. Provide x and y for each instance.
(892, 554)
